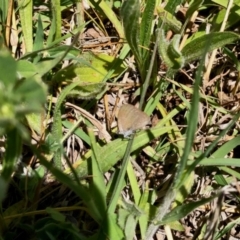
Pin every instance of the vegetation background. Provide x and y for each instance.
(65, 69)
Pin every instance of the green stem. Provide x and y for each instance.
(119, 183)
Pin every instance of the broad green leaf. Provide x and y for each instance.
(122, 215)
(146, 25)
(222, 3)
(26, 69)
(111, 153)
(112, 228)
(45, 66)
(130, 13)
(233, 17)
(91, 68)
(144, 204)
(8, 67)
(127, 218)
(130, 227)
(89, 72)
(184, 190)
(88, 90)
(233, 173)
(177, 226)
(35, 122)
(32, 92)
(196, 48)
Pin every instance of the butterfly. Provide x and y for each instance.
(131, 119)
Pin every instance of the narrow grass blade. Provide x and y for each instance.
(97, 186)
(12, 154)
(57, 124)
(56, 21)
(80, 190)
(25, 11)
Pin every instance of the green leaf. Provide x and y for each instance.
(97, 186)
(130, 13)
(169, 20)
(172, 5)
(56, 20)
(8, 67)
(26, 69)
(4, 13)
(114, 151)
(183, 210)
(233, 57)
(47, 65)
(79, 132)
(169, 51)
(35, 122)
(226, 148)
(104, 6)
(196, 48)
(146, 25)
(55, 214)
(3, 187)
(226, 229)
(233, 17)
(57, 51)
(144, 218)
(88, 91)
(33, 93)
(193, 7)
(89, 72)
(130, 227)
(12, 153)
(25, 11)
(39, 39)
(91, 68)
(79, 189)
(113, 230)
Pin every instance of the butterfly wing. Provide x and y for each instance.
(131, 119)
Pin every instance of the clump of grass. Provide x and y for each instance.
(64, 72)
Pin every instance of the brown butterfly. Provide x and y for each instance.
(131, 119)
